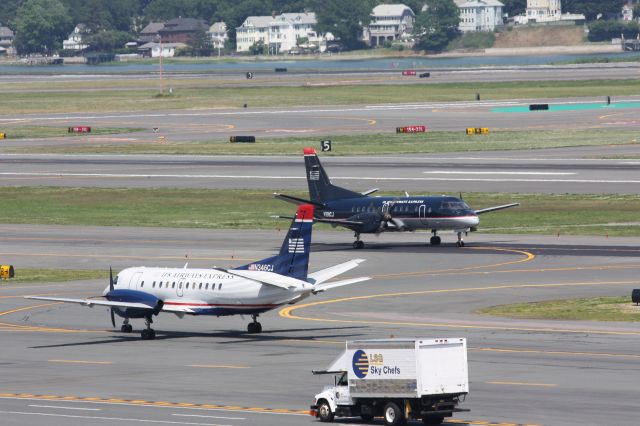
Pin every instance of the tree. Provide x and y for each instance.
(258, 48)
(437, 25)
(106, 40)
(592, 8)
(40, 26)
(200, 43)
(606, 30)
(514, 7)
(8, 12)
(344, 21)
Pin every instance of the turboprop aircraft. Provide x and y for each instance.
(372, 215)
(252, 289)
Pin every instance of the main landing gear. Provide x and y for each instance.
(126, 327)
(435, 239)
(148, 333)
(460, 242)
(357, 244)
(254, 327)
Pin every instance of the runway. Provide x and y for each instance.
(64, 365)
(565, 170)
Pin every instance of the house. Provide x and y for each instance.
(218, 34)
(279, 33)
(75, 40)
(150, 33)
(155, 50)
(182, 30)
(389, 22)
(6, 38)
(546, 11)
(480, 15)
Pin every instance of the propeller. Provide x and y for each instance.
(387, 218)
(113, 317)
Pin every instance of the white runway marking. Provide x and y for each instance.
(114, 419)
(59, 407)
(366, 178)
(445, 172)
(209, 417)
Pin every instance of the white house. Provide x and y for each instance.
(218, 33)
(74, 42)
(154, 50)
(546, 11)
(389, 22)
(480, 15)
(279, 33)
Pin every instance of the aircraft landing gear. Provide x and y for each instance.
(126, 327)
(148, 333)
(460, 242)
(435, 239)
(357, 244)
(254, 327)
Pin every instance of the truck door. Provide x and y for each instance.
(135, 281)
(342, 391)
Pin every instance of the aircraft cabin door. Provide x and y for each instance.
(179, 290)
(422, 214)
(135, 281)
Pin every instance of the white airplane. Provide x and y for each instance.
(252, 289)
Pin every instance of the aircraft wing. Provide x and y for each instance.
(295, 200)
(339, 222)
(326, 274)
(94, 302)
(327, 286)
(493, 209)
(269, 278)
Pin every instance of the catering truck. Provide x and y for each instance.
(397, 379)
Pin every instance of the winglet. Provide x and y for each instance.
(309, 151)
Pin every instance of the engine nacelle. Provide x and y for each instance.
(134, 296)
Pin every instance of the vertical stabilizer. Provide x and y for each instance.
(320, 187)
(293, 259)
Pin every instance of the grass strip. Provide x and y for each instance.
(103, 100)
(364, 144)
(37, 132)
(33, 275)
(588, 309)
(564, 214)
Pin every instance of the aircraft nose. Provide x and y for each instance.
(473, 221)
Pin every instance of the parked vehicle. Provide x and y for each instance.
(397, 379)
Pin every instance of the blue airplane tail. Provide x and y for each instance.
(321, 189)
(293, 259)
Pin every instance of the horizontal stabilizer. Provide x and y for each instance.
(339, 222)
(370, 191)
(334, 284)
(295, 200)
(495, 208)
(94, 302)
(269, 278)
(326, 274)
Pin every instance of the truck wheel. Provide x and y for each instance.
(432, 420)
(324, 412)
(393, 415)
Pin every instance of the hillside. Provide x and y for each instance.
(540, 36)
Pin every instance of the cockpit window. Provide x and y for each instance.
(454, 205)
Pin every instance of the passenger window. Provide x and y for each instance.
(220, 286)
(173, 285)
(180, 285)
(142, 284)
(187, 286)
(206, 287)
(154, 286)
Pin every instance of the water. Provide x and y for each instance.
(379, 64)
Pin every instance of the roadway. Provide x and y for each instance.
(64, 365)
(605, 169)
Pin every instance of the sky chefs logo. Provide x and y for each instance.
(360, 364)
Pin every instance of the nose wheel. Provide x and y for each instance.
(460, 242)
(126, 327)
(254, 327)
(435, 239)
(357, 244)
